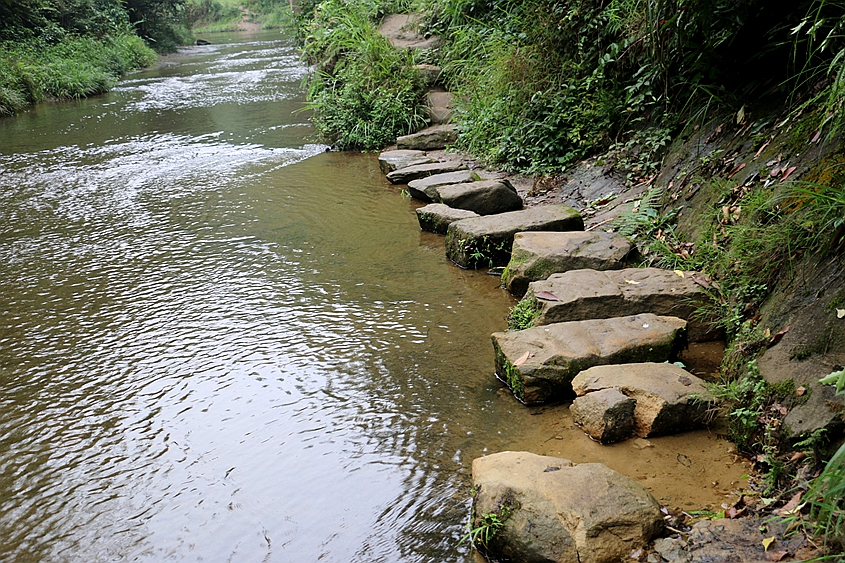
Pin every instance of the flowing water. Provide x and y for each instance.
(219, 342)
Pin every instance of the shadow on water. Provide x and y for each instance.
(219, 342)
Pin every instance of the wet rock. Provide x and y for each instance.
(588, 294)
(417, 171)
(555, 511)
(487, 197)
(389, 161)
(538, 364)
(537, 255)
(436, 217)
(606, 415)
(432, 138)
(426, 189)
(486, 241)
(737, 540)
(668, 398)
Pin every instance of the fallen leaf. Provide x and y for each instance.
(685, 381)
(632, 282)
(790, 506)
(679, 273)
(778, 335)
(522, 359)
(702, 282)
(736, 170)
(761, 149)
(799, 391)
(816, 136)
(776, 555)
(840, 313)
(768, 542)
(787, 172)
(547, 296)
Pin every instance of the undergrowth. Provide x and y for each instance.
(34, 71)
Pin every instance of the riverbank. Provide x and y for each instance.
(34, 71)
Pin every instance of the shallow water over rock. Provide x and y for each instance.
(219, 342)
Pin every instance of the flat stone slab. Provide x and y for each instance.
(668, 398)
(411, 173)
(537, 255)
(486, 241)
(400, 30)
(486, 197)
(589, 294)
(426, 189)
(432, 138)
(552, 510)
(539, 363)
(388, 161)
(606, 415)
(436, 217)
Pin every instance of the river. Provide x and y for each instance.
(219, 342)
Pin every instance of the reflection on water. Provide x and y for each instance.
(219, 343)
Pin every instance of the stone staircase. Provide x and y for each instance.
(603, 333)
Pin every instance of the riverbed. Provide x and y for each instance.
(220, 342)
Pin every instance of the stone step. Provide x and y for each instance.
(487, 197)
(589, 294)
(432, 138)
(389, 161)
(429, 74)
(537, 255)
(439, 105)
(426, 189)
(539, 363)
(616, 402)
(417, 171)
(436, 217)
(486, 241)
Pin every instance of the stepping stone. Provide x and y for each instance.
(552, 510)
(538, 363)
(589, 294)
(429, 74)
(439, 105)
(432, 138)
(400, 30)
(425, 189)
(487, 197)
(389, 161)
(537, 255)
(411, 173)
(606, 415)
(436, 217)
(668, 398)
(486, 241)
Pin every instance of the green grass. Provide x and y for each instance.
(31, 72)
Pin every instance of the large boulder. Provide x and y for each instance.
(538, 363)
(388, 161)
(426, 189)
(486, 241)
(668, 398)
(487, 197)
(436, 217)
(538, 255)
(588, 294)
(432, 138)
(411, 173)
(551, 510)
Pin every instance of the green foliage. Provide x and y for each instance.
(212, 15)
(826, 495)
(77, 67)
(487, 526)
(364, 92)
(523, 314)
